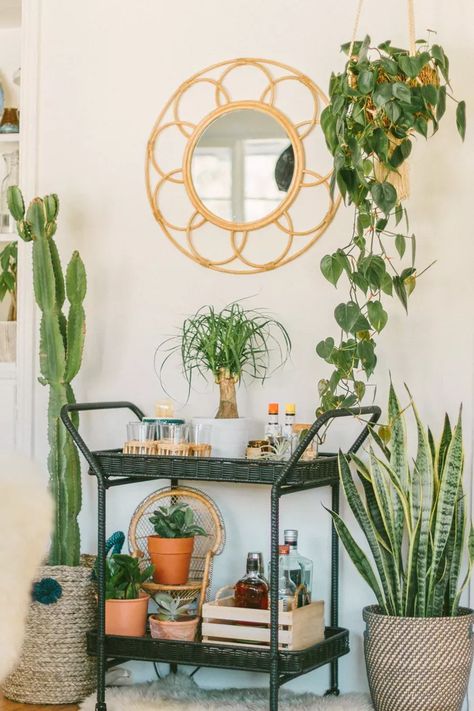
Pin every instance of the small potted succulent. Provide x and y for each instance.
(172, 545)
(174, 619)
(126, 604)
(229, 345)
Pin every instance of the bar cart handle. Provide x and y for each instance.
(66, 411)
(373, 410)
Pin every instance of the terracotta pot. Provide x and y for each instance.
(127, 617)
(418, 663)
(171, 558)
(184, 631)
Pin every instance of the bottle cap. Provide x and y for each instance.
(290, 408)
(290, 535)
(254, 562)
(273, 408)
(284, 550)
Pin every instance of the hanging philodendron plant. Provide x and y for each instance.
(379, 104)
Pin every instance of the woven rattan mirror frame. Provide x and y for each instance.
(240, 235)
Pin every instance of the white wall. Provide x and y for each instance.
(107, 68)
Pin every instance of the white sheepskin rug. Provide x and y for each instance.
(26, 514)
(181, 693)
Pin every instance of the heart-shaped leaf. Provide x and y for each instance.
(347, 315)
(385, 196)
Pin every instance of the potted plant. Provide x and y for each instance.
(172, 545)
(8, 277)
(173, 620)
(57, 622)
(126, 604)
(383, 100)
(418, 643)
(230, 344)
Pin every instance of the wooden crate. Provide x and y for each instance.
(223, 623)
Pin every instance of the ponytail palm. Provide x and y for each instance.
(413, 515)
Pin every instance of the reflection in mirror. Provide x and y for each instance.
(242, 165)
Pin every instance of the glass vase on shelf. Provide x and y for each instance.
(7, 223)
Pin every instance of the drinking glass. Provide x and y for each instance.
(140, 431)
(172, 432)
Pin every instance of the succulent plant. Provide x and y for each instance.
(176, 521)
(61, 346)
(171, 609)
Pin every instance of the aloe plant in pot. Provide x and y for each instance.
(126, 604)
(172, 545)
(230, 345)
(418, 643)
(57, 631)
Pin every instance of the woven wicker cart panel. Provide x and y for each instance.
(206, 515)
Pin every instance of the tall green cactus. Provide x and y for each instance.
(61, 346)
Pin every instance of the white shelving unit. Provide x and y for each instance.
(19, 48)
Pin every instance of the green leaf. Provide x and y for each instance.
(409, 66)
(421, 125)
(401, 292)
(393, 111)
(377, 315)
(461, 119)
(398, 213)
(401, 153)
(389, 66)
(386, 284)
(380, 144)
(347, 315)
(401, 91)
(430, 94)
(382, 94)
(331, 268)
(385, 196)
(366, 353)
(400, 244)
(366, 81)
(325, 349)
(441, 106)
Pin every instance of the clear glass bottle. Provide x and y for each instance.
(7, 223)
(272, 429)
(301, 568)
(286, 586)
(252, 590)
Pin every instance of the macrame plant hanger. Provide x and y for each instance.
(398, 178)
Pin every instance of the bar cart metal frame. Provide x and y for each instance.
(113, 468)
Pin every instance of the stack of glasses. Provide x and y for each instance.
(171, 439)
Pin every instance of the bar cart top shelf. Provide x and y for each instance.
(319, 472)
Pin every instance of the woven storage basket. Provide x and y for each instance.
(416, 663)
(54, 667)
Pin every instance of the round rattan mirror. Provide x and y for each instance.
(228, 194)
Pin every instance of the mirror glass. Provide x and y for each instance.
(242, 165)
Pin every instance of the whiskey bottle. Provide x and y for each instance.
(252, 590)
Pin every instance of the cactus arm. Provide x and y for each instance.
(76, 285)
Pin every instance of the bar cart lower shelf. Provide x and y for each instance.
(291, 664)
(111, 469)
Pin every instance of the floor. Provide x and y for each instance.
(6, 705)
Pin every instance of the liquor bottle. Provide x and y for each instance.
(286, 586)
(290, 414)
(252, 590)
(272, 429)
(301, 568)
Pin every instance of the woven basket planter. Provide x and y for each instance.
(418, 664)
(54, 667)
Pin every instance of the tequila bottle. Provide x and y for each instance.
(301, 568)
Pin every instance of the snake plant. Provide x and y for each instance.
(413, 515)
(61, 345)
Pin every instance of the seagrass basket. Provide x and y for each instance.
(54, 667)
(418, 663)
